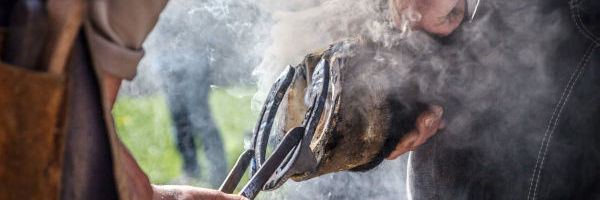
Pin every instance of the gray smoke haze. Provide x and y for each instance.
(491, 76)
(386, 181)
(197, 46)
(216, 42)
(264, 36)
(494, 78)
(298, 31)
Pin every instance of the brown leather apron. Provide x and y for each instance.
(32, 133)
(41, 155)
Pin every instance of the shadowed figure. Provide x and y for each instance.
(187, 94)
(197, 44)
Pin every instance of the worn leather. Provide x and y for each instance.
(32, 124)
(33, 115)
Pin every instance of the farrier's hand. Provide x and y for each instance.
(181, 192)
(426, 125)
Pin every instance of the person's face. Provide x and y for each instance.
(440, 17)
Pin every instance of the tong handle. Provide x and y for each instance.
(235, 175)
(257, 182)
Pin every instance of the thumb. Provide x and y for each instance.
(428, 124)
(234, 197)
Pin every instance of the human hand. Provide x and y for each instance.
(426, 125)
(182, 192)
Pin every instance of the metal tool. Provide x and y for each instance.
(257, 182)
(235, 175)
(292, 155)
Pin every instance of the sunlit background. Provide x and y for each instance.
(200, 52)
(145, 126)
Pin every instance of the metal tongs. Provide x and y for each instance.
(292, 155)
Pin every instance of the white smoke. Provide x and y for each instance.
(478, 76)
(491, 76)
(301, 27)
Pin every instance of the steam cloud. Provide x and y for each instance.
(302, 30)
(491, 76)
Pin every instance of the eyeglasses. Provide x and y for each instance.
(471, 9)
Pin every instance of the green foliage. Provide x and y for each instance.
(144, 126)
(232, 113)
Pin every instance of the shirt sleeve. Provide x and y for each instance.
(115, 31)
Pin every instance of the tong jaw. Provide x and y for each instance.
(293, 154)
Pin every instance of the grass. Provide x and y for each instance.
(144, 126)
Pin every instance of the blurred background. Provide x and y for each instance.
(190, 111)
(187, 112)
(145, 126)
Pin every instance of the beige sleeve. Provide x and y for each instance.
(115, 31)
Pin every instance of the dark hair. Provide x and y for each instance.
(402, 120)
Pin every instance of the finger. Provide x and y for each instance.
(428, 124)
(233, 197)
(438, 111)
(403, 146)
(218, 195)
(442, 124)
